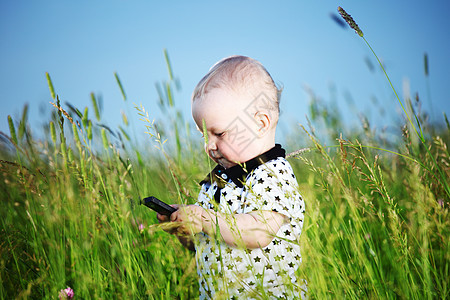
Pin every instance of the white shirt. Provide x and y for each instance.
(234, 272)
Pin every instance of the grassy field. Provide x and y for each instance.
(376, 223)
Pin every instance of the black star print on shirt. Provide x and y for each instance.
(268, 187)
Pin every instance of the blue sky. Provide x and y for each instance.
(82, 43)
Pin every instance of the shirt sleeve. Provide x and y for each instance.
(273, 187)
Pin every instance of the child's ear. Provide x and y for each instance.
(263, 121)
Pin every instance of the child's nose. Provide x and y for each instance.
(211, 146)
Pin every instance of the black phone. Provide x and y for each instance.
(158, 206)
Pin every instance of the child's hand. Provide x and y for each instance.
(164, 218)
(177, 227)
(189, 218)
(168, 227)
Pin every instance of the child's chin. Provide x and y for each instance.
(225, 163)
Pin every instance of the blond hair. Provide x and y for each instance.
(240, 74)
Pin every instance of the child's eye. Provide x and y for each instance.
(219, 134)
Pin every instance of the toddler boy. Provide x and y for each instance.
(248, 218)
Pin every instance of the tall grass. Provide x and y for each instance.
(376, 223)
(71, 214)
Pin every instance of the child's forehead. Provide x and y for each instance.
(217, 113)
(223, 98)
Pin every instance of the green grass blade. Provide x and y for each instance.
(169, 66)
(50, 85)
(95, 105)
(122, 91)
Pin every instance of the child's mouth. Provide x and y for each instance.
(221, 161)
(217, 158)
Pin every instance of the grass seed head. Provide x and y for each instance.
(348, 18)
(105, 139)
(53, 132)
(89, 130)
(50, 85)
(12, 129)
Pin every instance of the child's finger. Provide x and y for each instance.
(162, 218)
(174, 216)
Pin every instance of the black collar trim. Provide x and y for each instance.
(238, 173)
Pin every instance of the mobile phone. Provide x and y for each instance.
(158, 206)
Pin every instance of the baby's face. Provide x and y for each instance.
(232, 134)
